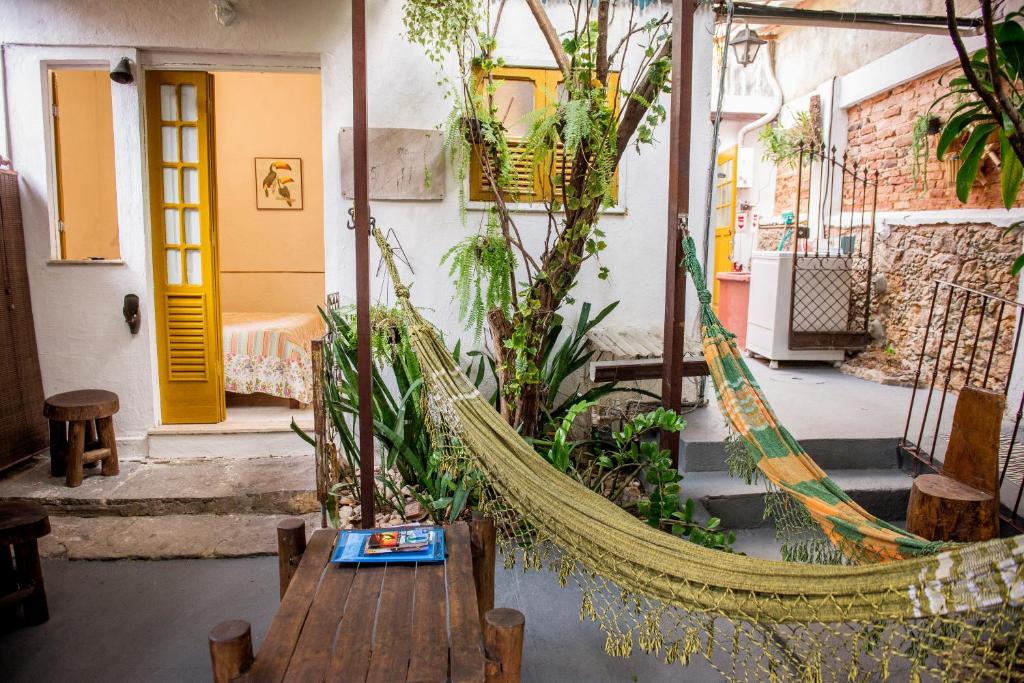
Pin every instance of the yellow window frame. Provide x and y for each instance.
(533, 186)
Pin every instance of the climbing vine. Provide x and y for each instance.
(502, 285)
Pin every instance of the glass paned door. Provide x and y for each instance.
(178, 110)
(725, 217)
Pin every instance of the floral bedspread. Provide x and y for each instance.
(269, 353)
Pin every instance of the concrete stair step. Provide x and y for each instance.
(272, 485)
(164, 537)
(830, 454)
(882, 492)
(232, 439)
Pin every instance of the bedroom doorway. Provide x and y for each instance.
(237, 188)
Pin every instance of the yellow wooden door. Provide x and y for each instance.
(179, 114)
(725, 216)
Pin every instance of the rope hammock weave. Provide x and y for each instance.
(954, 615)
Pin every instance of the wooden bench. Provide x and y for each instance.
(81, 433)
(21, 575)
(379, 622)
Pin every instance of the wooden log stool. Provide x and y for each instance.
(962, 503)
(81, 433)
(21, 575)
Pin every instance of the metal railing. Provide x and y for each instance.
(830, 294)
(971, 339)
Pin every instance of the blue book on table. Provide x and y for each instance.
(409, 544)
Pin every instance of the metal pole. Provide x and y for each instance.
(678, 214)
(360, 164)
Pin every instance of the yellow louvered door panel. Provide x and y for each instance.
(178, 112)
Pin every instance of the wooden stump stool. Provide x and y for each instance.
(81, 433)
(962, 502)
(21, 575)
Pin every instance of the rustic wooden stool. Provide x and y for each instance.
(21, 576)
(962, 502)
(81, 433)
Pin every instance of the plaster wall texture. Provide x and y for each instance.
(270, 260)
(811, 55)
(77, 309)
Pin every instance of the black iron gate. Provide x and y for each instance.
(830, 295)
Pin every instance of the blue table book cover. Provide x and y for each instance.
(410, 544)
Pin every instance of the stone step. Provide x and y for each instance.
(739, 505)
(830, 454)
(164, 537)
(232, 439)
(278, 485)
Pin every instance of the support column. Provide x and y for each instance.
(360, 165)
(678, 214)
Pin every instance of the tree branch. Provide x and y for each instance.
(550, 35)
(999, 84)
(965, 62)
(602, 41)
(639, 102)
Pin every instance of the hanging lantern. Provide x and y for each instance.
(746, 44)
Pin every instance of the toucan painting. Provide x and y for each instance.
(277, 190)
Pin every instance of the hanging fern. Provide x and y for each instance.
(481, 268)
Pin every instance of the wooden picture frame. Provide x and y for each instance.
(278, 183)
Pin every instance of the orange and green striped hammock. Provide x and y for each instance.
(779, 457)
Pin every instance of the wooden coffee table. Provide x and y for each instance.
(379, 622)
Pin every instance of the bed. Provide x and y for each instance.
(269, 353)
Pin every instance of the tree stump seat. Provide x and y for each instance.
(961, 503)
(82, 433)
(21, 574)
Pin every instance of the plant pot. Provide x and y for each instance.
(934, 125)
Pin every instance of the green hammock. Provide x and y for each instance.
(954, 615)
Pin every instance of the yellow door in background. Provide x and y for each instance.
(725, 217)
(179, 115)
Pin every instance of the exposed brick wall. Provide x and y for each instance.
(880, 134)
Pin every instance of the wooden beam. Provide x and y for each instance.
(645, 368)
(678, 213)
(360, 164)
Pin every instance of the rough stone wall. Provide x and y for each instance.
(908, 260)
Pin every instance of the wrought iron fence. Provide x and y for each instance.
(830, 297)
(970, 339)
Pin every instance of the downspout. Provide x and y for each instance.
(773, 113)
(776, 107)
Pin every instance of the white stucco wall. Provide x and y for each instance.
(83, 340)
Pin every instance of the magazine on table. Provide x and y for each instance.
(410, 544)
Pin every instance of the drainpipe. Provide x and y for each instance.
(773, 113)
(776, 100)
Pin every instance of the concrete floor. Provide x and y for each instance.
(138, 621)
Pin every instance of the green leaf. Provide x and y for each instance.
(1012, 171)
(1010, 38)
(971, 156)
(1018, 265)
(953, 128)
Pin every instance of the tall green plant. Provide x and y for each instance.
(989, 96)
(399, 419)
(596, 119)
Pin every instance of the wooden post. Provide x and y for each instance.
(678, 214)
(361, 206)
(323, 484)
(503, 643)
(481, 544)
(291, 544)
(30, 572)
(108, 440)
(58, 447)
(230, 650)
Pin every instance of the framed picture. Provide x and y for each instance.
(278, 183)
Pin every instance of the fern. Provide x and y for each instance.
(481, 267)
(576, 123)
